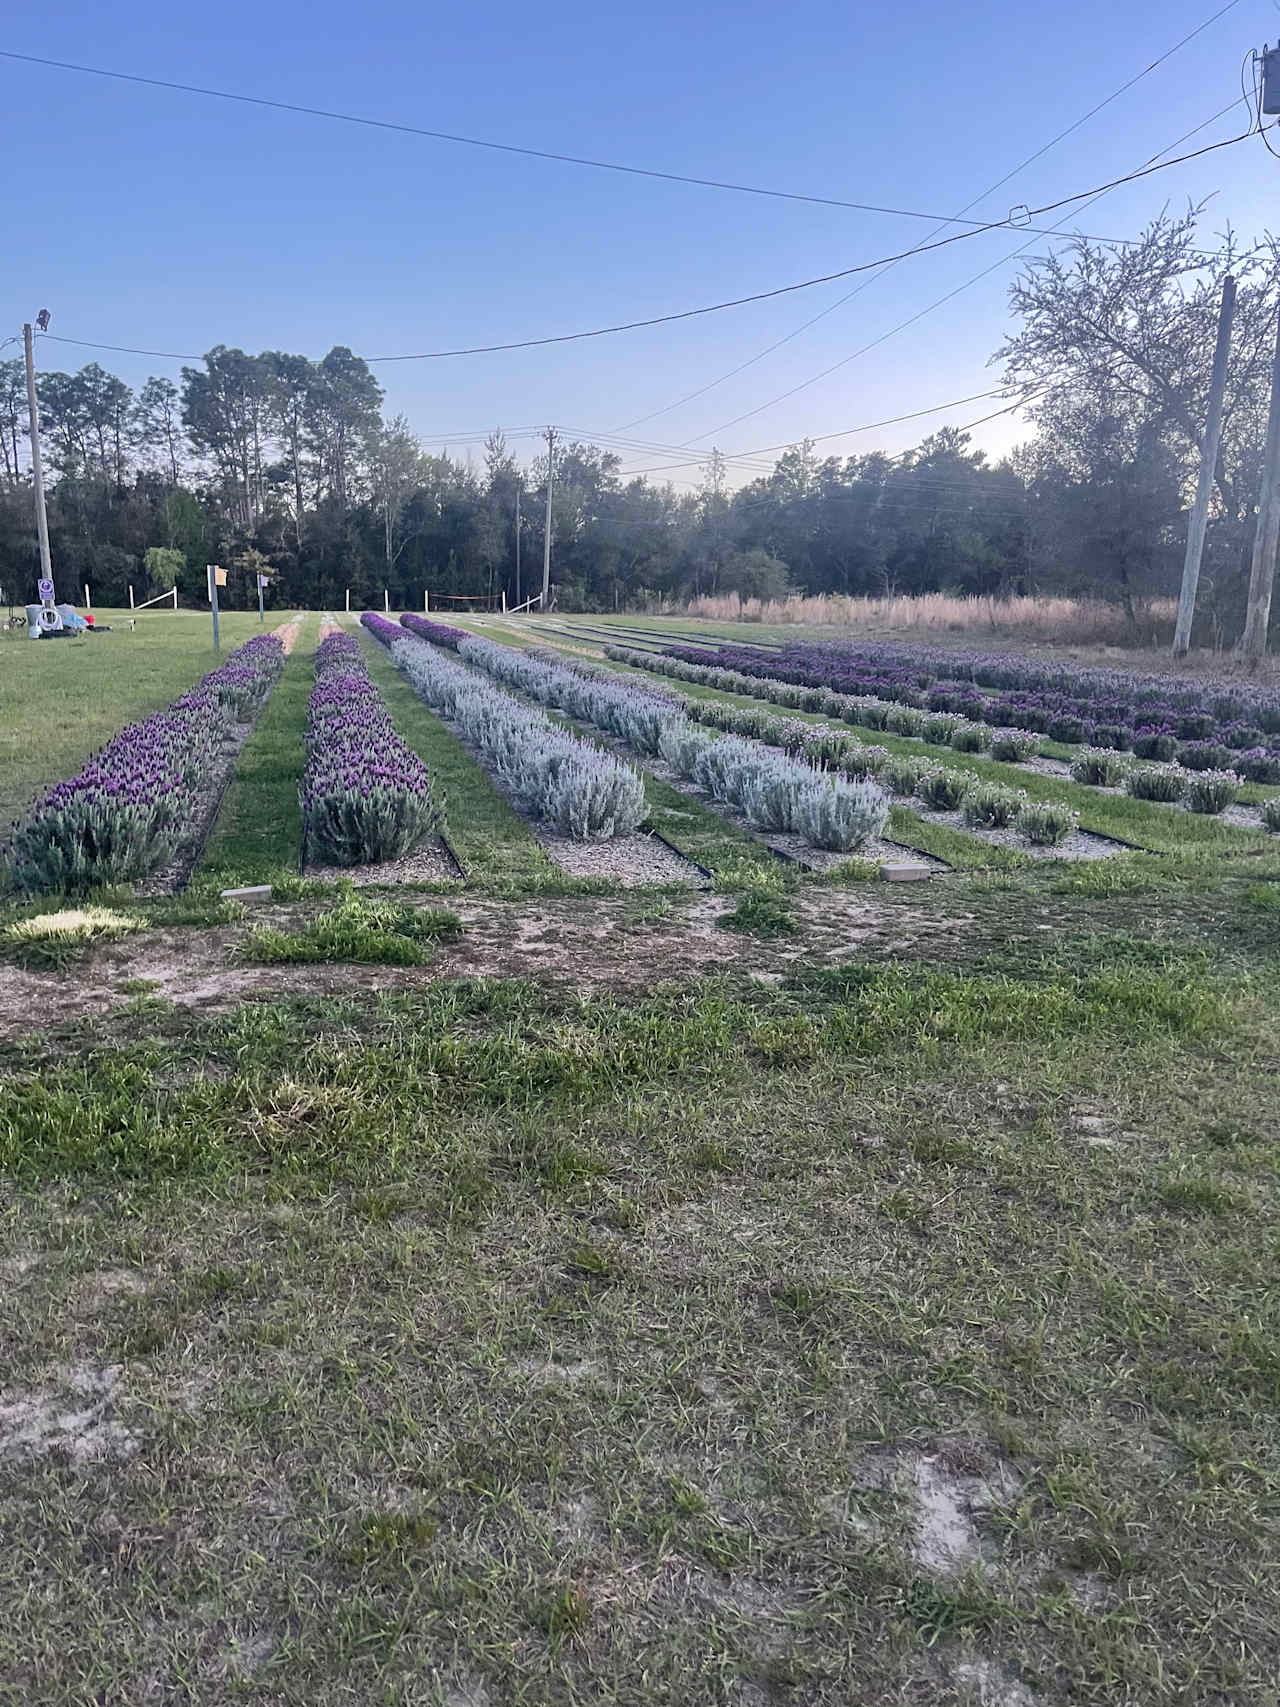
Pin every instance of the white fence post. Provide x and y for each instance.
(88, 602)
(131, 595)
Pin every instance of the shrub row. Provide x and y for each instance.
(438, 633)
(777, 791)
(1099, 766)
(124, 814)
(565, 782)
(1109, 707)
(365, 795)
(990, 805)
(910, 702)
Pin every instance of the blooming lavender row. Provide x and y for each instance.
(1121, 696)
(559, 779)
(438, 633)
(776, 791)
(902, 703)
(383, 630)
(129, 808)
(366, 797)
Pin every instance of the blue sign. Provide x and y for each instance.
(45, 590)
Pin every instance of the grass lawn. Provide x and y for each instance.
(858, 1336)
(61, 700)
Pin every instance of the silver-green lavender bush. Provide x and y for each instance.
(1014, 746)
(1100, 767)
(1046, 823)
(840, 816)
(1211, 792)
(1157, 782)
(680, 742)
(943, 790)
(991, 806)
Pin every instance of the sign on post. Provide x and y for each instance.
(217, 578)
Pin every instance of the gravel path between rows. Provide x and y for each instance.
(431, 863)
(1080, 844)
(1244, 817)
(638, 858)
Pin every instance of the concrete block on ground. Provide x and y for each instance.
(255, 892)
(905, 871)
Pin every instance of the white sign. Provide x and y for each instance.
(45, 590)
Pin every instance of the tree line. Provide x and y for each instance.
(278, 463)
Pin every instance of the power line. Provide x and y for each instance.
(697, 181)
(938, 302)
(740, 301)
(737, 457)
(1053, 141)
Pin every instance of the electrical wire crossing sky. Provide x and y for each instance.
(750, 235)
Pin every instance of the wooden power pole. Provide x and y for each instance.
(546, 531)
(1199, 517)
(37, 472)
(1263, 571)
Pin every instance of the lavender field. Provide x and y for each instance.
(557, 1221)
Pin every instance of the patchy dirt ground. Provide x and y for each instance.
(615, 943)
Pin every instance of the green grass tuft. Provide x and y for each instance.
(760, 913)
(367, 932)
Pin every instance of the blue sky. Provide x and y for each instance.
(172, 221)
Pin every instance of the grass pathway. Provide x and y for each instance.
(258, 835)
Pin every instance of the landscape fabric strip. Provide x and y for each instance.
(1156, 717)
(776, 791)
(127, 810)
(366, 797)
(559, 779)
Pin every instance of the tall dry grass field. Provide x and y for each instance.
(929, 615)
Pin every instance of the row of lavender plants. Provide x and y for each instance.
(1203, 725)
(438, 633)
(137, 799)
(562, 781)
(778, 792)
(366, 796)
(983, 806)
(969, 734)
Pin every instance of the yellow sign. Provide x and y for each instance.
(219, 577)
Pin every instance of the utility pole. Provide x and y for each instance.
(1199, 517)
(546, 530)
(37, 473)
(518, 485)
(1263, 571)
